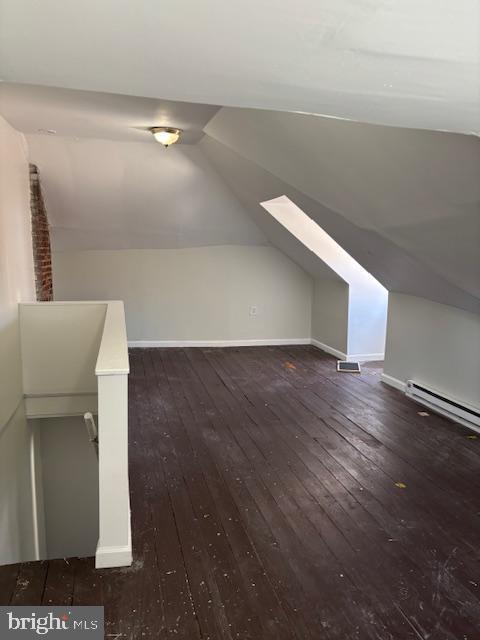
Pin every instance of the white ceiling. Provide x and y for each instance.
(405, 203)
(378, 200)
(109, 185)
(418, 189)
(411, 63)
(89, 114)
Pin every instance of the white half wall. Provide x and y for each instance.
(197, 294)
(18, 536)
(60, 344)
(433, 344)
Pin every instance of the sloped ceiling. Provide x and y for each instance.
(90, 114)
(109, 185)
(404, 203)
(393, 267)
(412, 63)
(104, 194)
(418, 189)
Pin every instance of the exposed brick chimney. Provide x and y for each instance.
(42, 254)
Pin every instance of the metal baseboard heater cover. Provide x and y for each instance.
(458, 411)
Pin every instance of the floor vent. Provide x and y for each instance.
(350, 367)
(453, 409)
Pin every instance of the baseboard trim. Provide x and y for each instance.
(263, 342)
(267, 342)
(328, 349)
(366, 357)
(110, 557)
(393, 382)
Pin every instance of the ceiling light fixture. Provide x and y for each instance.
(166, 135)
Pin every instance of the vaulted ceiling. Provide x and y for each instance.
(404, 200)
(412, 63)
(90, 114)
(104, 194)
(390, 196)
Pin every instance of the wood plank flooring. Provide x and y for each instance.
(274, 498)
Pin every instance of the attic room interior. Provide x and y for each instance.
(239, 319)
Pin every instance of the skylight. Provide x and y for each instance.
(319, 242)
(367, 298)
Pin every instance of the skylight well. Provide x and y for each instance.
(367, 298)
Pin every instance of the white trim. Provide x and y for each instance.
(267, 342)
(263, 342)
(60, 394)
(114, 534)
(59, 303)
(60, 405)
(108, 557)
(366, 357)
(38, 510)
(393, 382)
(112, 356)
(328, 349)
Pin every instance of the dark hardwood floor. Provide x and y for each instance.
(275, 498)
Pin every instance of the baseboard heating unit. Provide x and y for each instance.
(458, 411)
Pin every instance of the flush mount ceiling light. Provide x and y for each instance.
(166, 135)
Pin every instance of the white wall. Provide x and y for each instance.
(352, 322)
(112, 194)
(60, 344)
(367, 322)
(193, 294)
(17, 540)
(434, 344)
(70, 483)
(367, 298)
(330, 313)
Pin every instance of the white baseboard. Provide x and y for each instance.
(109, 557)
(267, 342)
(366, 357)
(356, 357)
(328, 349)
(264, 342)
(393, 382)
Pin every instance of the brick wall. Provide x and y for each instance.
(42, 254)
